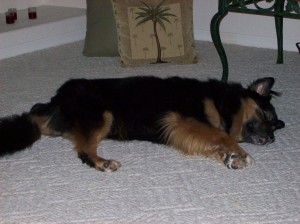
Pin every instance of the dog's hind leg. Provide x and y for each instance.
(196, 138)
(86, 145)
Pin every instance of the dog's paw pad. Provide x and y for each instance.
(108, 166)
(235, 161)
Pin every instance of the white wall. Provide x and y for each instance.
(249, 30)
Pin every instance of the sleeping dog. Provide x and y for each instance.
(198, 118)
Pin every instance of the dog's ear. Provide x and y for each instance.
(280, 124)
(263, 86)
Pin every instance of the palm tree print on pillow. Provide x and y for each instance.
(154, 25)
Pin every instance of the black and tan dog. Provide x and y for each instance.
(198, 118)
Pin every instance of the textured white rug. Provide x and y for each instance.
(156, 184)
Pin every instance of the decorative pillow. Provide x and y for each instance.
(166, 37)
(101, 34)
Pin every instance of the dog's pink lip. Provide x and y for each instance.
(263, 140)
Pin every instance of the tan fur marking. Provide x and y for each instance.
(212, 113)
(42, 122)
(195, 138)
(247, 111)
(108, 120)
(89, 145)
(78, 139)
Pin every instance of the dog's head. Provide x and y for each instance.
(259, 119)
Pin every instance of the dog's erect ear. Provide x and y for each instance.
(263, 86)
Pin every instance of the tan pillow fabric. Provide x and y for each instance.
(166, 37)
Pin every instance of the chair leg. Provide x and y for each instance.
(298, 46)
(279, 6)
(279, 32)
(215, 35)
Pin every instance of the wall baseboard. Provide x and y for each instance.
(42, 44)
(39, 40)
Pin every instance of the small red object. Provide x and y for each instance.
(13, 11)
(32, 13)
(10, 19)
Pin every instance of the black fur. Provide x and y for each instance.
(138, 103)
(16, 133)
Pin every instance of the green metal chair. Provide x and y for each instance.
(279, 9)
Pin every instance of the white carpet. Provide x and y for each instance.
(156, 184)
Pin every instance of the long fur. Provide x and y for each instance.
(16, 133)
(203, 118)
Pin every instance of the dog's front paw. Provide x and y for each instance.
(235, 161)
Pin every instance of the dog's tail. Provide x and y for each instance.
(19, 132)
